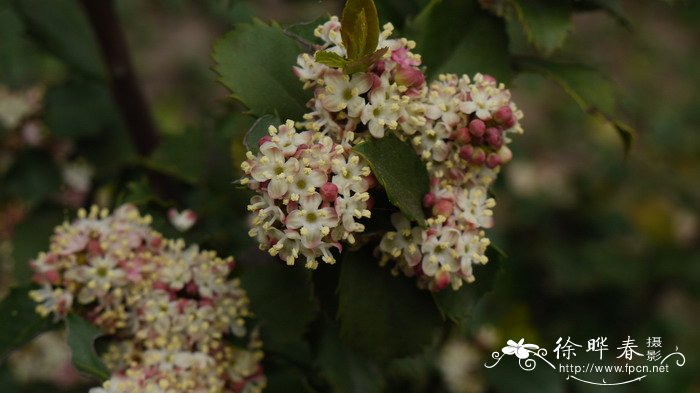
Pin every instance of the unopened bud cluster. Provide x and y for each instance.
(167, 308)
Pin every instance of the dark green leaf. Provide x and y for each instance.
(459, 305)
(182, 156)
(255, 62)
(365, 62)
(345, 371)
(546, 23)
(32, 178)
(360, 28)
(331, 59)
(79, 109)
(281, 298)
(383, 316)
(287, 381)
(457, 36)
(61, 26)
(592, 91)
(19, 323)
(81, 340)
(31, 236)
(258, 130)
(304, 32)
(397, 167)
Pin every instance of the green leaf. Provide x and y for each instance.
(31, 236)
(79, 108)
(546, 23)
(19, 323)
(81, 340)
(33, 178)
(592, 91)
(258, 130)
(331, 59)
(365, 62)
(182, 156)
(359, 28)
(457, 36)
(255, 62)
(304, 32)
(458, 306)
(345, 371)
(383, 316)
(281, 297)
(61, 27)
(399, 169)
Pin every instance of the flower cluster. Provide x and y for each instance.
(347, 107)
(169, 308)
(311, 194)
(464, 143)
(460, 128)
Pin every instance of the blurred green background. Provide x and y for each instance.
(597, 245)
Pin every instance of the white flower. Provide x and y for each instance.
(349, 174)
(102, 274)
(306, 182)
(312, 220)
(342, 91)
(475, 207)
(78, 176)
(381, 112)
(275, 168)
(405, 241)
(182, 221)
(439, 251)
(481, 103)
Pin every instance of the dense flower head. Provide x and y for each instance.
(168, 307)
(348, 107)
(464, 143)
(459, 126)
(312, 192)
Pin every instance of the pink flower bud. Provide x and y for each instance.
(191, 288)
(443, 207)
(466, 152)
(503, 114)
(442, 280)
(264, 139)
(510, 122)
(371, 181)
(376, 81)
(493, 160)
(462, 135)
(489, 79)
(409, 76)
(477, 127)
(479, 156)
(329, 192)
(93, 248)
(429, 199)
(52, 276)
(493, 137)
(379, 67)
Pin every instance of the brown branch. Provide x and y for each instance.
(122, 79)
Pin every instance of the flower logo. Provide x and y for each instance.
(520, 349)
